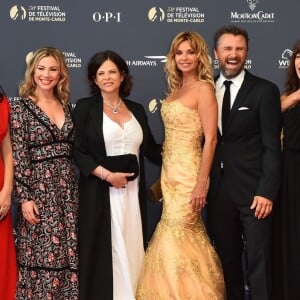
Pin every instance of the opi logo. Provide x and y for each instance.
(107, 17)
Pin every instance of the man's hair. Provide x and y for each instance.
(230, 29)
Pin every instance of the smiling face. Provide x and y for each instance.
(231, 52)
(108, 77)
(186, 58)
(46, 74)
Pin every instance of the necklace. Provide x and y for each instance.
(114, 109)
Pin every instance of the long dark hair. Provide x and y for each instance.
(97, 60)
(293, 81)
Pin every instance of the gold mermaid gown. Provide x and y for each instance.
(180, 262)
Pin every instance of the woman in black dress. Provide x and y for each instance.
(110, 128)
(287, 234)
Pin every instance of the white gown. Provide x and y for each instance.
(126, 224)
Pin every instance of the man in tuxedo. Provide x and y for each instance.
(245, 175)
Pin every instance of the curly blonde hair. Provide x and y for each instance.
(204, 70)
(61, 90)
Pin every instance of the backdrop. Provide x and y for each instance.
(141, 32)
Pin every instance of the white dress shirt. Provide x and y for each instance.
(220, 90)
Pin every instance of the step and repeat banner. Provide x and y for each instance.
(141, 32)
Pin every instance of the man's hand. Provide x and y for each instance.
(263, 207)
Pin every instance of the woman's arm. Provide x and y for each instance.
(81, 149)
(5, 193)
(152, 149)
(288, 101)
(22, 163)
(83, 158)
(21, 154)
(208, 113)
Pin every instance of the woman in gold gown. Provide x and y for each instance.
(180, 262)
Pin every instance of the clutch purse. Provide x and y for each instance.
(125, 163)
(156, 192)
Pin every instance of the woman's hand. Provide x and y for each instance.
(5, 201)
(30, 212)
(117, 179)
(289, 101)
(198, 196)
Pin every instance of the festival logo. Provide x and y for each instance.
(284, 62)
(253, 16)
(38, 13)
(28, 57)
(176, 14)
(154, 105)
(72, 60)
(156, 14)
(18, 12)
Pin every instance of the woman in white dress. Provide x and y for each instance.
(113, 137)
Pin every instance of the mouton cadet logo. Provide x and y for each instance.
(255, 16)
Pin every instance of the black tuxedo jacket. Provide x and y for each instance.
(249, 149)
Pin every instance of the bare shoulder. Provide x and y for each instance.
(205, 91)
(204, 86)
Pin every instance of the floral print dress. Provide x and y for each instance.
(44, 172)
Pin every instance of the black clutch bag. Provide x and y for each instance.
(125, 163)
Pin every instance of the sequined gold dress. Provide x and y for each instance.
(180, 262)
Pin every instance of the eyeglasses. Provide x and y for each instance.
(2, 94)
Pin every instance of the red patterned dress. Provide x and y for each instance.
(44, 172)
(8, 264)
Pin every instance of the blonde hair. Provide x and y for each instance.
(61, 90)
(204, 70)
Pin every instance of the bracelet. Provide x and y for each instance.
(101, 172)
(108, 173)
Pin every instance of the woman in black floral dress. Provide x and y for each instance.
(45, 181)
